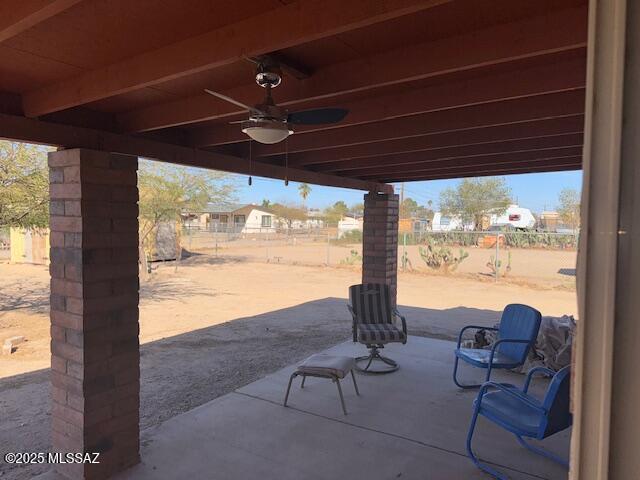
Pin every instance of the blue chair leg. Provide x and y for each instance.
(474, 459)
(544, 453)
(455, 376)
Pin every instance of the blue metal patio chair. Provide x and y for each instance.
(517, 333)
(524, 415)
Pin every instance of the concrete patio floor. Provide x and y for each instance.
(411, 424)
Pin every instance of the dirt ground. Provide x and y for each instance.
(541, 268)
(216, 324)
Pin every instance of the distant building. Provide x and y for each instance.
(246, 218)
(349, 223)
(549, 221)
(414, 225)
(315, 218)
(448, 223)
(29, 245)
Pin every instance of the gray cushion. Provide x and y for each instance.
(378, 333)
(322, 364)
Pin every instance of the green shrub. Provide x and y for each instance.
(348, 238)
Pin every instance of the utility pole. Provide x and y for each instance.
(401, 198)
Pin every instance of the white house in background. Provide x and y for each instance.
(314, 220)
(446, 223)
(516, 216)
(349, 223)
(245, 218)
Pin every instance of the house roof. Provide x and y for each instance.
(223, 207)
(233, 208)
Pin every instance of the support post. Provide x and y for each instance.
(95, 357)
(380, 240)
(606, 388)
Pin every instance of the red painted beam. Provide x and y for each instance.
(518, 131)
(18, 16)
(464, 162)
(276, 29)
(567, 105)
(525, 82)
(36, 131)
(569, 166)
(409, 160)
(558, 31)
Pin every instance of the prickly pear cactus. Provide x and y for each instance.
(441, 258)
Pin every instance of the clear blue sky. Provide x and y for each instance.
(536, 191)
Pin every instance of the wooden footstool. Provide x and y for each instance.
(333, 367)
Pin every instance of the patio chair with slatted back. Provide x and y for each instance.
(517, 333)
(524, 415)
(374, 325)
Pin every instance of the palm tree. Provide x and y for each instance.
(304, 189)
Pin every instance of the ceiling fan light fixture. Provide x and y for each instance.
(268, 132)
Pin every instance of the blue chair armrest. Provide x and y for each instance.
(544, 370)
(403, 320)
(501, 341)
(477, 327)
(511, 391)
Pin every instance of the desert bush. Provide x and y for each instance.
(353, 258)
(348, 238)
(495, 265)
(511, 239)
(441, 258)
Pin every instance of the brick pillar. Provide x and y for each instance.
(95, 356)
(380, 240)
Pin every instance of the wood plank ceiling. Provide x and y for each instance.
(434, 88)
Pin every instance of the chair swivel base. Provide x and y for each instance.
(384, 364)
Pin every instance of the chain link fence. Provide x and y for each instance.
(542, 258)
(316, 246)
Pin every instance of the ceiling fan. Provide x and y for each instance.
(269, 123)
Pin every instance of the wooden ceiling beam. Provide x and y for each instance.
(18, 16)
(287, 65)
(523, 82)
(477, 136)
(567, 105)
(559, 31)
(277, 29)
(490, 172)
(504, 147)
(37, 131)
(464, 162)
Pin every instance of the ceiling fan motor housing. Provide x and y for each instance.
(268, 74)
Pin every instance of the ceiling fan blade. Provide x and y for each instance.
(235, 102)
(317, 116)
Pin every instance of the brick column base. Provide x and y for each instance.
(95, 357)
(380, 240)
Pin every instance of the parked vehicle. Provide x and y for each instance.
(443, 223)
(515, 216)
